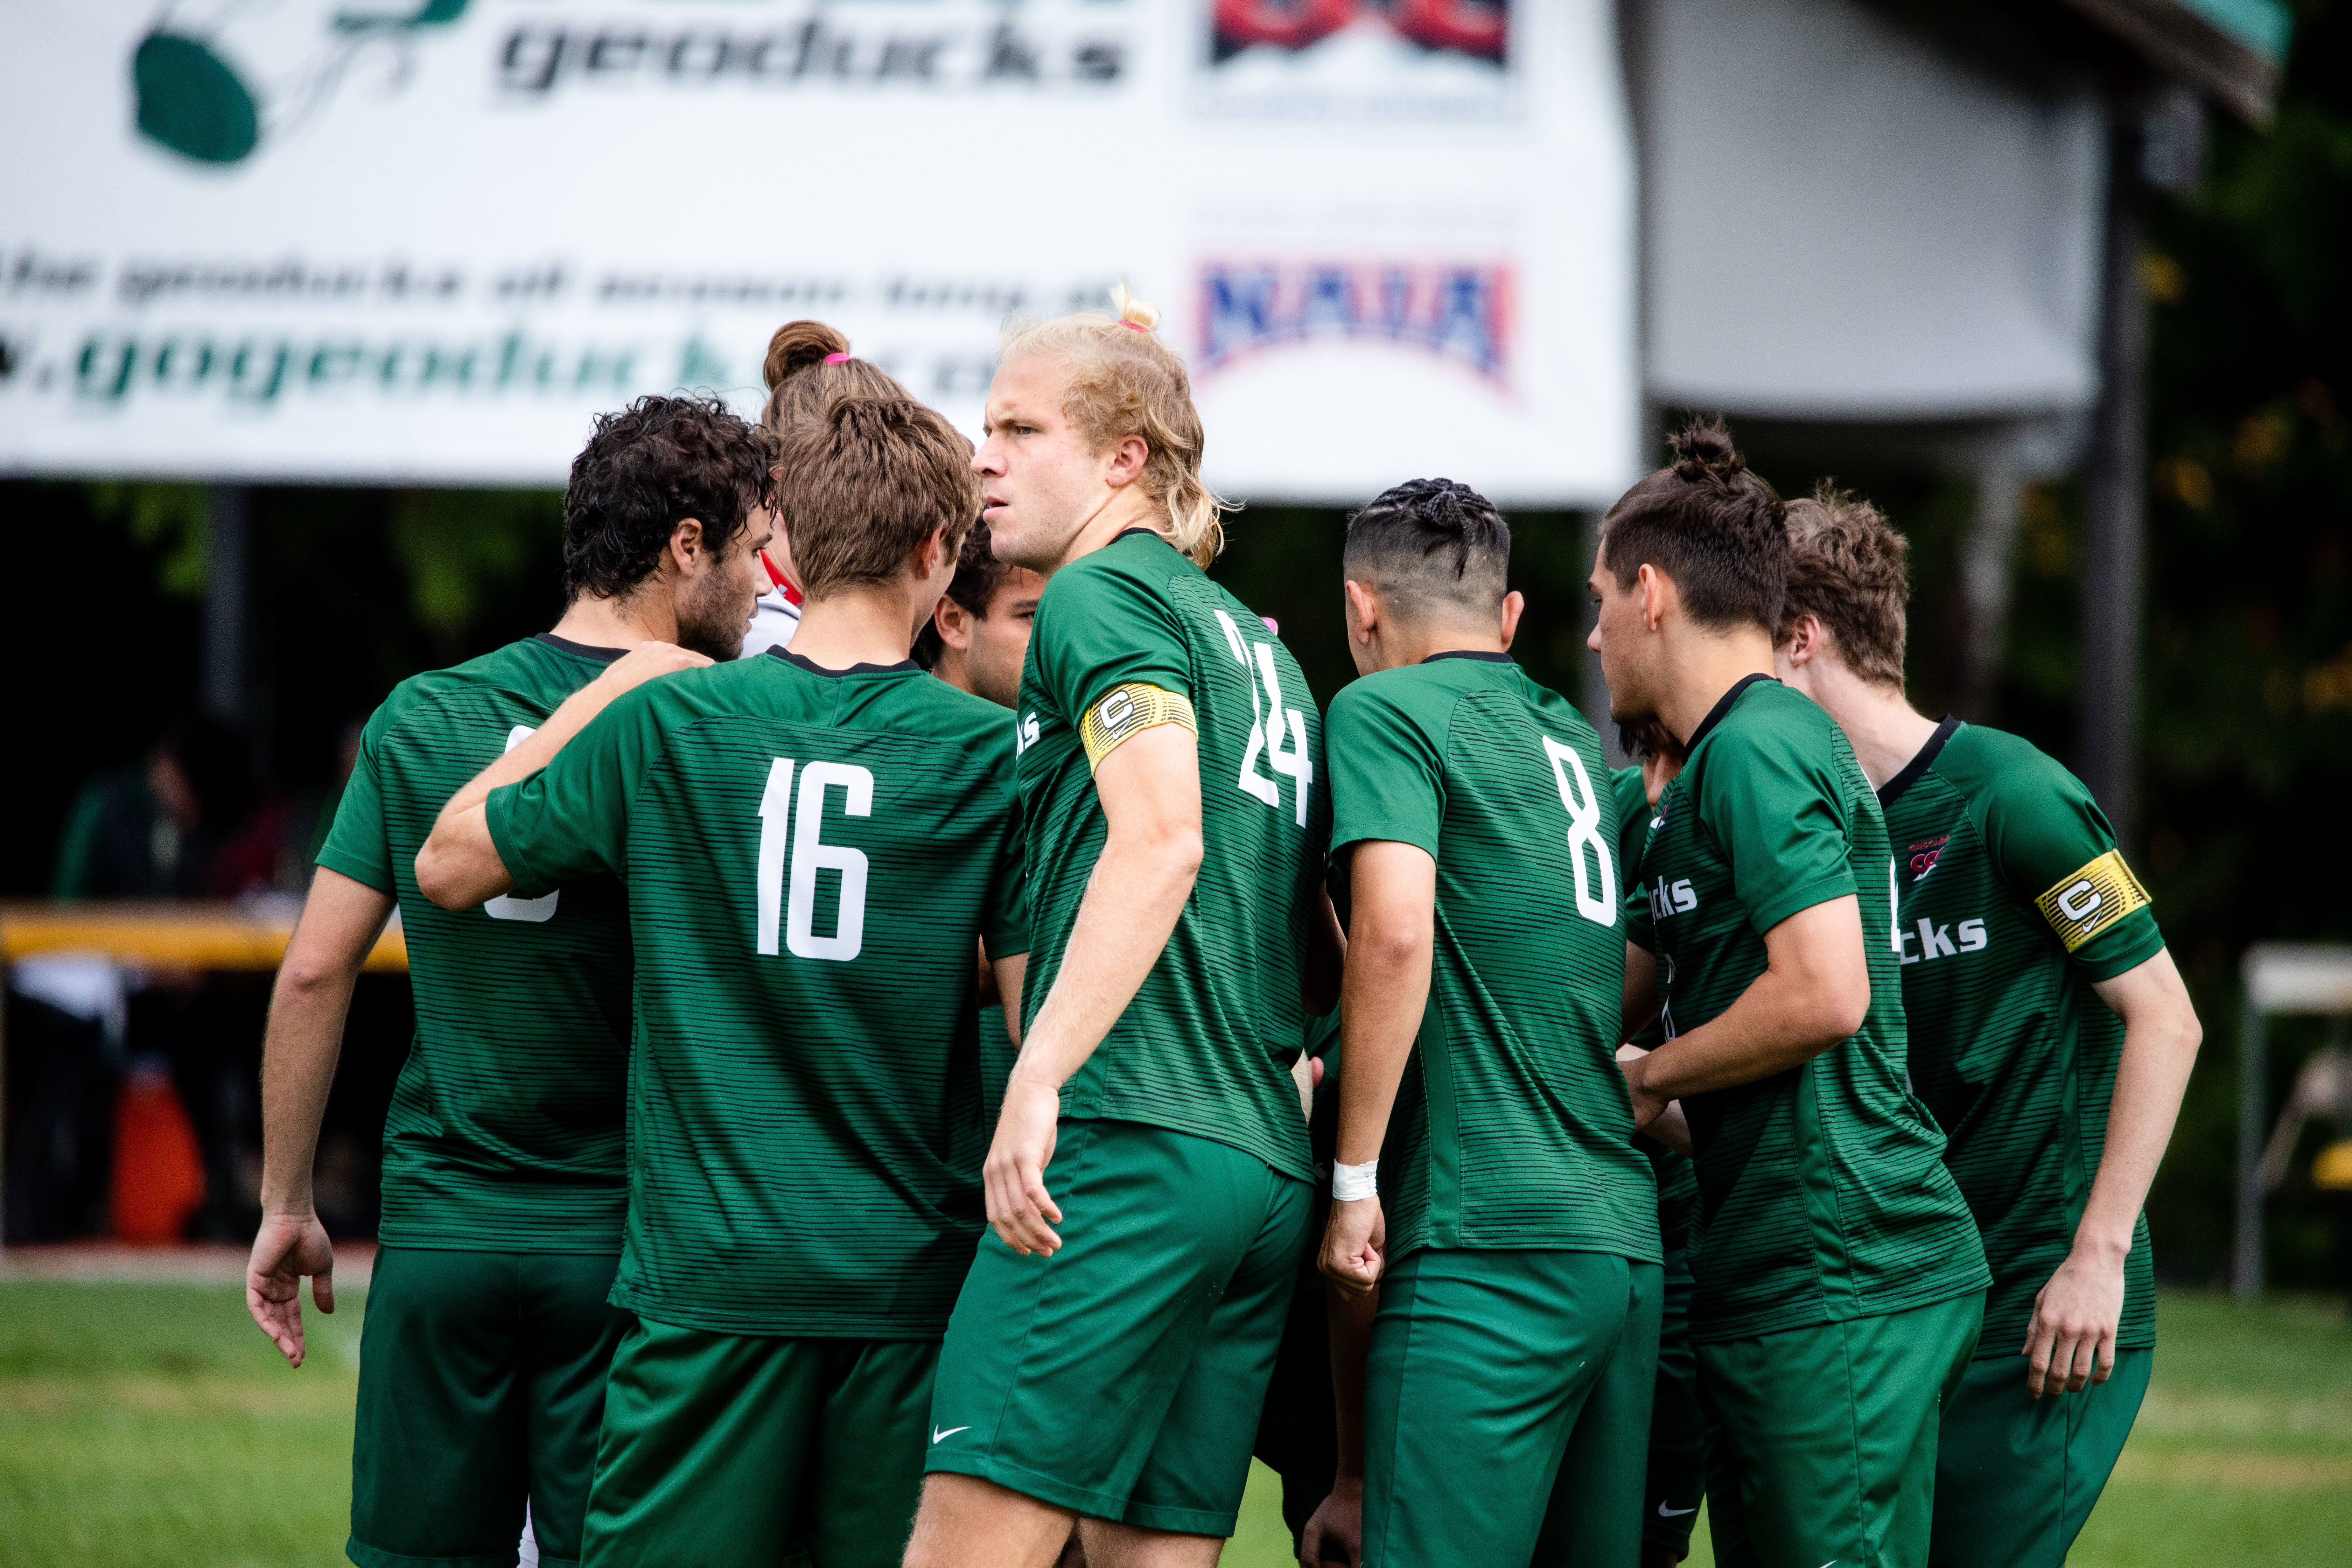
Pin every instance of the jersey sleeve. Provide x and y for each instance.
(1110, 652)
(1775, 807)
(570, 820)
(1386, 771)
(2053, 847)
(358, 845)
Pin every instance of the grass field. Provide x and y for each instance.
(152, 1426)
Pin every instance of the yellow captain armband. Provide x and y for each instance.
(1128, 709)
(2087, 902)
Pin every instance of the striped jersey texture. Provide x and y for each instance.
(2010, 1046)
(1823, 1192)
(504, 1133)
(809, 858)
(1204, 1047)
(1512, 1127)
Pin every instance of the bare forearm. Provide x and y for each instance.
(300, 1052)
(460, 865)
(304, 1038)
(1380, 1008)
(1351, 1318)
(1129, 910)
(537, 749)
(1814, 994)
(2161, 1035)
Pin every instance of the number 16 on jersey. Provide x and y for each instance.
(796, 915)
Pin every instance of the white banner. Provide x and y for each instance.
(420, 241)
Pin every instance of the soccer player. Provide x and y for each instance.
(808, 368)
(2050, 1035)
(979, 636)
(1677, 1466)
(1487, 1181)
(487, 1332)
(1109, 1356)
(1837, 1281)
(811, 842)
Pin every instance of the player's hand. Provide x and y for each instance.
(2070, 1343)
(1335, 1533)
(289, 1246)
(1013, 1177)
(1648, 1104)
(1355, 1245)
(643, 663)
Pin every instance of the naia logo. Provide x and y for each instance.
(1925, 854)
(1458, 313)
(1481, 28)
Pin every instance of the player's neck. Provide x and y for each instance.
(1126, 508)
(1884, 728)
(621, 620)
(868, 623)
(1394, 646)
(1701, 665)
(951, 667)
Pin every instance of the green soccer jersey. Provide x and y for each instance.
(1512, 1127)
(2011, 900)
(1131, 634)
(504, 1133)
(1677, 1182)
(1823, 1192)
(808, 857)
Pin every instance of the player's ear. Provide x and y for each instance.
(1657, 592)
(1128, 456)
(954, 624)
(686, 546)
(1363, 610)
(1515, 603)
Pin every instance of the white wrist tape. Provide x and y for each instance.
(1351, 1183)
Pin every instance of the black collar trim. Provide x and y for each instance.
(789, 656)
(1714, 714)
(1479, 653)
(1918, 765)
(601, 655)
(1146, 533)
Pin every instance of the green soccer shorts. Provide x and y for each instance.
(481, 1384)
(1822, 1440)
(2017, 1477)
(1677, 1464)
(738, 1451)
(1506, 1408)
(1121, 1378)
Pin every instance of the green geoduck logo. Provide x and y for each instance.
(193, 100)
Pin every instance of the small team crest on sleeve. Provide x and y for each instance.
(2084, 902)
(1925, 854)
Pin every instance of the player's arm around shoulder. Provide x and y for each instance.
(461, 863)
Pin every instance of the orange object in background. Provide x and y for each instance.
(159, 1172)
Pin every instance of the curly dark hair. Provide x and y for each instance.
(1709, 524)
(648, 468)
(1430, 546)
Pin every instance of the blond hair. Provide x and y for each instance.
(1123, 381)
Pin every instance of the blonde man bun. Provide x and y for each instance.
(1123, 381)
(1132, 311)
